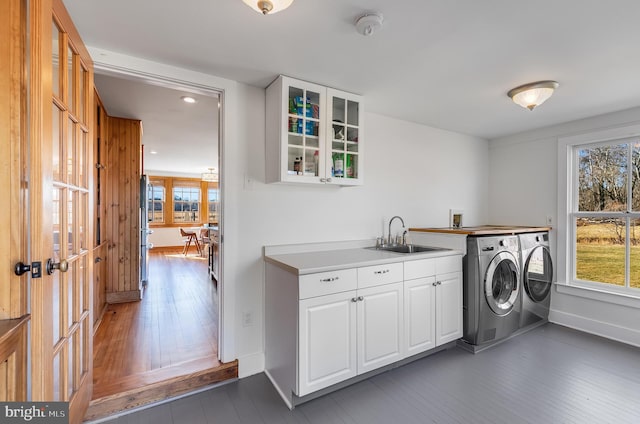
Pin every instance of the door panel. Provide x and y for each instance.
(380, 326)
(327, 341)
(14, 318)
(419, 313)
(60, 224)
(448, 308)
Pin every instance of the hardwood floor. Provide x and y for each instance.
(549, 375)
(162, 346)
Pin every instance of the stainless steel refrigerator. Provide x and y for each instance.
(146, 191)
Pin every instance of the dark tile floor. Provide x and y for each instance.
(551, 374)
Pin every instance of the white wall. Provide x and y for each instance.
(169, 236)
(412, 170)
(523, 190)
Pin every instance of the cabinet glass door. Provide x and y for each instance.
(344, 133)
(303, 132)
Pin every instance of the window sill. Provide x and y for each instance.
(601, 294)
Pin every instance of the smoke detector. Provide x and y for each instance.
(369, 23)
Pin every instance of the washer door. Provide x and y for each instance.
(501, 283)
(538, 273)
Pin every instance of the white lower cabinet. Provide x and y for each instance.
(345, 334)
(325, 328)
(448, 307)
(433, 303)
(327, 341)
(379, 325)
(419, 315)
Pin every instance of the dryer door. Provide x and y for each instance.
(501, 283)
(538, 274)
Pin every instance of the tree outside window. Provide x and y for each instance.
(606, 213)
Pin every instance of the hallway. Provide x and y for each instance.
(157, 342)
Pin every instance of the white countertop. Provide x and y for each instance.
(332, 260)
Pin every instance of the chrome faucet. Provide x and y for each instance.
(403, 235)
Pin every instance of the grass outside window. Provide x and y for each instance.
(600, 255)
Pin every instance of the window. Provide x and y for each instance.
(186, 204)
(604, 216)
(212, 205)
(156, 203)
(176, 201)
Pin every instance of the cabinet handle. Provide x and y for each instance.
(354, 299)
(384, 271)
(328, 280)
(439, 283)
(323, 180)
(435, 283)
(328, 180)
(360, 298)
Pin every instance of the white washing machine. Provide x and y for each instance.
(537, 278)
(491, 290)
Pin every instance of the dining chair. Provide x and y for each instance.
(188, 237)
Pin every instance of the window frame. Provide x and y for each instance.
(568, 212)
(169, 182)
(215, 202)
(155, 184)
(187, 186)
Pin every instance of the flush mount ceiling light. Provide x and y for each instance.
(369, 23)
(211, 176)
(533, 94)
(188, 99)
(268, 6)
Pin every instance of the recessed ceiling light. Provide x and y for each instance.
(188, 99)
(153, 152)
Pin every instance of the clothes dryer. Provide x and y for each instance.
(537, 278)
(491, 289)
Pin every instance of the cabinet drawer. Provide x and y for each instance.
(376, 275)
(419, 269)
(448, 264)
(322, 283)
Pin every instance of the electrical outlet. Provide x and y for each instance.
(549, 220)
(247, 318)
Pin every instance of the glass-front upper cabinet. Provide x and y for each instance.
(313, 134)
(345, 132)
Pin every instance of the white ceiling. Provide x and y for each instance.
(183, 136)
(443, 63)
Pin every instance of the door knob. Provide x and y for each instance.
(63, 266)
(21, 268)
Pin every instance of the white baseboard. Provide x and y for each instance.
(250, 364)
(599, 328)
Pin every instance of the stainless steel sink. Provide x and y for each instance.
(410, 248)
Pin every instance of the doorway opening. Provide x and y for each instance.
(167, 343)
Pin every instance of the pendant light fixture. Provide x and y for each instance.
(268, 6)
(211, 176)
(531, 95)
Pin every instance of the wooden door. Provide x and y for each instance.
(13, 293)
(60, 101)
